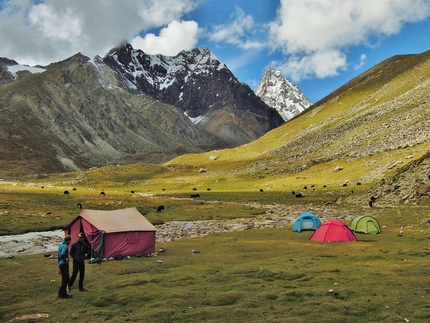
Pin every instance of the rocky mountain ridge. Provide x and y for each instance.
(6, 77)
(125, 107)
(198, 84)
(75, 115)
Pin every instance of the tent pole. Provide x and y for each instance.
(92, 246)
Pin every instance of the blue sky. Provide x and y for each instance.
(317, 44)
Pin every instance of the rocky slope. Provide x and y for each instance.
(381, 111)
(6, 77)
(126, 107)
(75, 115)
(362, 132)
(410, 184)
(281, 94)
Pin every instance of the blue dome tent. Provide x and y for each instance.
(306, 221)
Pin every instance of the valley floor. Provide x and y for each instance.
(276, 216)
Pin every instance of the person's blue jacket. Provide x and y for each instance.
(63, 253)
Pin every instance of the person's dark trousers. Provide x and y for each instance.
(78, 267)
(64, 280)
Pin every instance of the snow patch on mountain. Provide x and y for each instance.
(195, 120)
(276, 91)
(104, 74)
(161, 71)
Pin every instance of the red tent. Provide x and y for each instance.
(124, 232)
(333, 231)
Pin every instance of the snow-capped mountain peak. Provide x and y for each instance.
(282, 94)
(201, 86)
(160, 70)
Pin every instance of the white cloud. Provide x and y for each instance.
(317, 32)
(363, 58)
(49, 23)
(177, 36)
(40, 32)
(237, 32)
(319, 64)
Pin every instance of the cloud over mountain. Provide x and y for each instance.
(315, 35)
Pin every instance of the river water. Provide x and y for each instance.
(30, 243)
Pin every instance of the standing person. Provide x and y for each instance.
(79, 251)
(63, 265)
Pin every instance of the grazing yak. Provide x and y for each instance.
(372, 200)
(160, 208)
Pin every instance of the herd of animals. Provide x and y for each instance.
(297, 195)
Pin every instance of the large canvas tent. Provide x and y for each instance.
(333, 231)
(306, 221)
(124, 232)
(365, 224)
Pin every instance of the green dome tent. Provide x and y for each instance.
(365, 224)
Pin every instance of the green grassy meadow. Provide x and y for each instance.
(259, 275)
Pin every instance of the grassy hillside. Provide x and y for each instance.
(378, 119)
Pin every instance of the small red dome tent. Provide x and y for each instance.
(333, 231)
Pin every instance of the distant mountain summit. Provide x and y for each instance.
(202, 87)
(282, 94)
